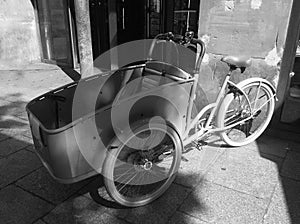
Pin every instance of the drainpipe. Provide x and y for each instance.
(82, 14)
(47, 29)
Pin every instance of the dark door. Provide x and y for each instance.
(185, 16)
(99, 26)
(177, 16)
(55, 31)
(131, 20)
(155, 17)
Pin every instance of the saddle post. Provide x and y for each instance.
(219, 98)
(232, 66)
(231, 69)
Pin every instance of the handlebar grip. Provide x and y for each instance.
(178, 38)
(197, 41)
(202, 52)
(164, 36)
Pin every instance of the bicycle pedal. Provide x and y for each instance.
(202, 143)
(199, 148)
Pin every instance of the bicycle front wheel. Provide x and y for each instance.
(141, 169)
(235, 108)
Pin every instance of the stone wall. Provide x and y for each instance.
(18, 33)
(255, 28)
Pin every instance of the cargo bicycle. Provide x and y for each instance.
(139, 157)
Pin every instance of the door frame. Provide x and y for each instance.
(287, 63)
(72, 37)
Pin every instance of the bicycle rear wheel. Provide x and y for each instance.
(236, 108)
(137, 172)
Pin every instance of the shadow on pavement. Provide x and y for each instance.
(166, 209)
(23, 178)
(285, 203)
(74, 75)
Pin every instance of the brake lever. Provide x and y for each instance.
(179, 39)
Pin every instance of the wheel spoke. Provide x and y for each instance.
(140, 176)
(127, 173)
(124, 185)
(257, 111)
(151, 140)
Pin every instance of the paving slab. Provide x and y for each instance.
(23, 115)
(3, 136)
(42, 184)
(182, 218)
(16, 166)
(26, 85)
(27, 67)
(27, 133)
(195, 163)
(22, 94)
(68, 212)
(39, 222)
(161, 210)
(11, 126)
(291, 165)
(246, 171)
(12, 108)
(30, 148)
(95, 185)
(217, 204)
(12, 145)
(23, 138)
(270, 145)
(101, 218)
(17, 206)
(285, 203)
(102, 202)
(294, 146)
(80, 210)
(237, 190)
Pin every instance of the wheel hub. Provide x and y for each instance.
(245, 113)
(148, 165)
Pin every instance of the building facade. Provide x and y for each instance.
(47, 30)
(19, 42)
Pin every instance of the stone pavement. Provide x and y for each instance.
(258, 183)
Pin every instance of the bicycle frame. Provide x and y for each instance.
(207, 128)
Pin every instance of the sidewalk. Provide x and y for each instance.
(258, 183)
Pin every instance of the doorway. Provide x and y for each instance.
(99, 26)
(177, 16)
(114, 22)
(131, 20)
(140, 19)
(56, 28)
(286, 119)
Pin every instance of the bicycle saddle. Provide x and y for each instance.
(238, 62)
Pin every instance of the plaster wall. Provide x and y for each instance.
(255, 28)
(18, 34)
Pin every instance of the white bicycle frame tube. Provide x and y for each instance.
(207, 129)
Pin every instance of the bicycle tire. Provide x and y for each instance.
(244, 134)
(129, 162)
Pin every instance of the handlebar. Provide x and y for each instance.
(182, 40)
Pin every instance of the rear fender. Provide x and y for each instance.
(256, 79)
